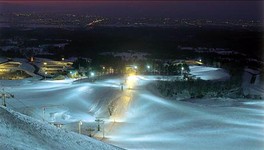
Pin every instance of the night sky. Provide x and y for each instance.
(175, 9)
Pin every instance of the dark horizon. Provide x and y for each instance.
(250, 10)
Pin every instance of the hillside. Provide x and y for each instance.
(18, 131)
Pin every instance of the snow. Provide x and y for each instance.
(153, 122)
(140, 119)
(209, 73)
(22, 132)
(25, 66)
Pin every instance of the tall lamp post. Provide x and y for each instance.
(80, 126)
(92, 74)
(136, 68)
(148, 68)
(182, 68)
(46, 74)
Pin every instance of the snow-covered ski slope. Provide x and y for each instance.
(153, 122)
(142, 119)
(209, 73)
(21, 132)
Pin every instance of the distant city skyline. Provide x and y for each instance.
(174, 9)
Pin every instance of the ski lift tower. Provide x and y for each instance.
(4, 95)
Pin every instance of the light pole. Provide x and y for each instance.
(80, 126)
(103, 70)
(44, 69)
(92, 74)
(43, 113)
(46, 74)
(148, 68)
(182, 71)
(103, 129)
(136, 69)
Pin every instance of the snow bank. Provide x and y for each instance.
(18, 131)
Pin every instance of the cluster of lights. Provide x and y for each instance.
(136, 67)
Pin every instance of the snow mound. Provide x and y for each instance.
(18, 131)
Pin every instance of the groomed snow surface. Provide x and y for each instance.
(154, 123)
(140, 119)
(209, 73)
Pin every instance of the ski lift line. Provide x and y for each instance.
(15, 97)
(4, 95)
(28, 107)
(11, 105)
(49, 106)
(20, 102)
